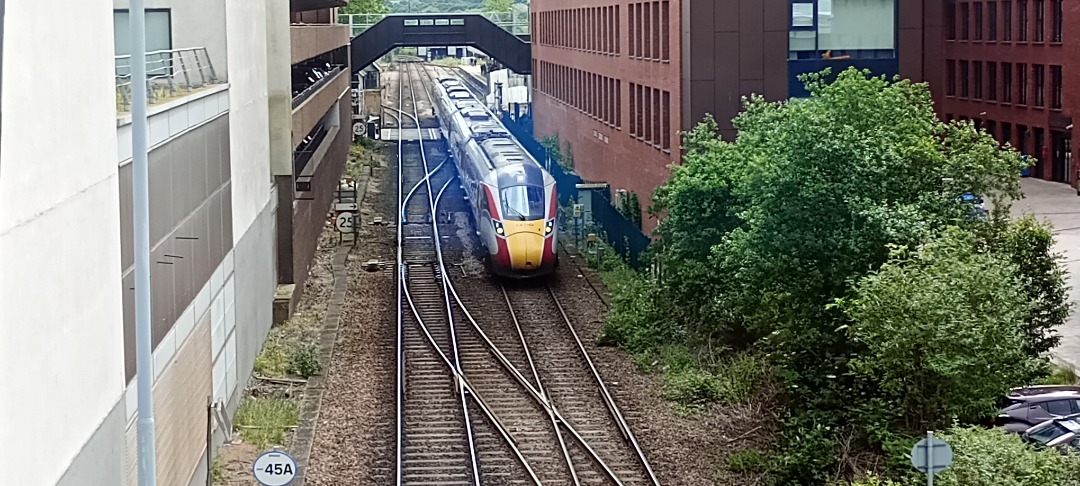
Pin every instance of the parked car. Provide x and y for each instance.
(1061, 432)
(978, 207)
(1029, 406)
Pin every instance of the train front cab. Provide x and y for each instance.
(525, 231)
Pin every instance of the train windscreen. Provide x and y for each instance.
(523, 203)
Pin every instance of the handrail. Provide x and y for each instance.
(167, 71)
(516, 23)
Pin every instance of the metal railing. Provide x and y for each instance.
(516, 23)
(168, 72)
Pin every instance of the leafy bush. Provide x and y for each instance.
(992, 456)
(304, 360)
(942, 333)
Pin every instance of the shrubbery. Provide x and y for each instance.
(830, 240)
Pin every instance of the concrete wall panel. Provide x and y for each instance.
(60, 296)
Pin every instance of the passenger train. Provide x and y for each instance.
(512, 197)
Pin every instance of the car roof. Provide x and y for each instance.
(1040, 392)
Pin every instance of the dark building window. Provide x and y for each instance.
(1022, 6)
(1021, 139)
(1022, 80)
(665, 24)
(950, 19)
(989, 126)
(950, 78)
(991, 20)
(965, 21)
(1040, 21)
(991, 78)
(1006, 82)
(1055, 87)
(1006, 133)
(1040, 85)
(859, 29)
(618, 103)
(1006, 20)
(978, 21)
(964, 82)
(617, 29)
(1040, 141)
(977, 67)
(666, 128)
(657, 124)
(1056, 18)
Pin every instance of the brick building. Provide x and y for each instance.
(620, 79)
(1010, 66)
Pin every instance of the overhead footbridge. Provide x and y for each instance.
(485, 32)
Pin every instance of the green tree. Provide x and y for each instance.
(498, 5)
(1028, 244)
(942, 333)
(365, 7)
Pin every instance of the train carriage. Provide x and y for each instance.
(513, 199)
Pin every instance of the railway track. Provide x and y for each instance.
(474, 404)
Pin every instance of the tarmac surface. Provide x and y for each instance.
(1058, 203)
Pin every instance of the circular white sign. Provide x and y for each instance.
(345, 222)
(274, 468)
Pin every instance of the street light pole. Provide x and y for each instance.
(141, 191)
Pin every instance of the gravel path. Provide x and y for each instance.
(354, 436)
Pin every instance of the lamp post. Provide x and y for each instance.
(141, 191)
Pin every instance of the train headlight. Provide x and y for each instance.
(549, 227)
(498, 227)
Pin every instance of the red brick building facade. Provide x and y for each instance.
(620, 79)
(1012, 66)
(607, 80)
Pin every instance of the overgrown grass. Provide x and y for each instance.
(290, 348)
(264, 421)
(694, 375)
(748, 461)
(447, 62)
(218, 470)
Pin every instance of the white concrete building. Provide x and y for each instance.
(68, 396)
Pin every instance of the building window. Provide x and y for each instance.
(1022, 6)
(991, 77)
(158, 38)
(1056, 18)
(950, 78)
(1040, 21)
(665, 23)
(950, 19)
(860, 29)
(964, 83)
(978, 21)
(657, 123)
(991, 20)
(965, 18)
(1055, 87)
(1022, 78)
(1006, 82)
(1040, 85)
(977, 67)
(666, 127)
(618, 103)
(1006, 133)
(1006, 20)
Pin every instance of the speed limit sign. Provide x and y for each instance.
(274, 468)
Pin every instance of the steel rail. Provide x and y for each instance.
(442, 270)
(484, 407)
(400, 285)
(516, 374)
(612, 406)
(538, 396)
(540, 387)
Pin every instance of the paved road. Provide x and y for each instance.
(1059, 204)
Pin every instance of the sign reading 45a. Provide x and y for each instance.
(274, 468)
